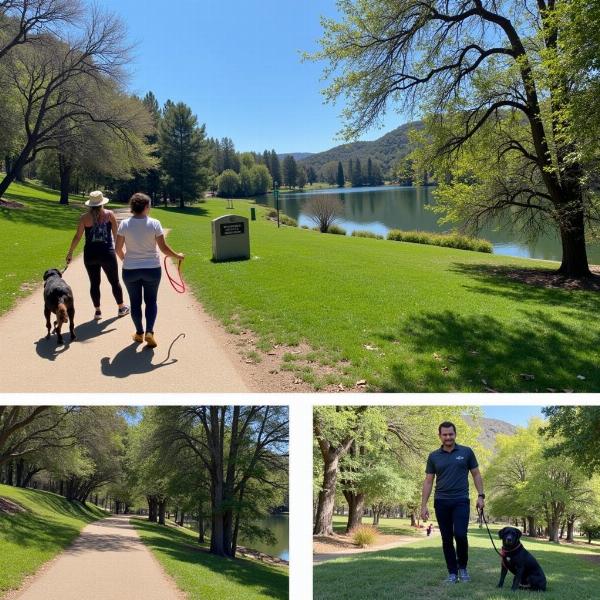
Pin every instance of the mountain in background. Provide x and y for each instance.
(490, 428)
(386, 150)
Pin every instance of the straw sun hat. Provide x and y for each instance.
(96, 198)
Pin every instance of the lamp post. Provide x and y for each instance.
(276, 196)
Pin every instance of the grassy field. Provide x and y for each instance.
(386, 526)
(203, 576)
(403, 317)
(417, 571)
(35, 238)
(30, 538)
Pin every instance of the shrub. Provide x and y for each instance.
(366, 234)
(364, 535)
(324, 211)
(285, 220)
(447, 240)
(336, 230)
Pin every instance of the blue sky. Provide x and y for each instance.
(515, 415)
(237, 65)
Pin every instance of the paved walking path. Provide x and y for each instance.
(107, 561)
(105, 359)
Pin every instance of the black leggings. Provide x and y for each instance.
(108, 263)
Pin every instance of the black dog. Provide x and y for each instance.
(58, 299)
(527, 571)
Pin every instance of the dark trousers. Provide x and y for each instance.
(142, 285)
(107, 262)
(453, 520)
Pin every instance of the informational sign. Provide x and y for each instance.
(230, 238)
(232, 228)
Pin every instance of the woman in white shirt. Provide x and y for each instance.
(142, 236)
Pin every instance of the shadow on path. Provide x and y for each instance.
(131, 362)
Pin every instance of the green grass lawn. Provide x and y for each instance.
(35, 238)
(203, 576)
(417, 570)
(386, 526)
(403, 317)
(29, 539)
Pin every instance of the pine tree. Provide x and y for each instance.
(357, 174)
(184, 152)
(369, 172)
(340, 175)
(276, 168)
(290, 171)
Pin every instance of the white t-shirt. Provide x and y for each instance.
(140, 233)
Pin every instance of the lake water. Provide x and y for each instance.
(380, 209)
(279, 526)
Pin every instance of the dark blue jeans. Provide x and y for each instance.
(453, 519)
(142, 285)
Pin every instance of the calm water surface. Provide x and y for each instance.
(394, 207)
(279, 526)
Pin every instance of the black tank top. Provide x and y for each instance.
(98, 237)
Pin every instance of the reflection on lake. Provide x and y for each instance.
(380, 209)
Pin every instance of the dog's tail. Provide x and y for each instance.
(62, 315)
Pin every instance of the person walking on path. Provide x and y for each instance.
(140, 235)
(100, 228)
(450, 465)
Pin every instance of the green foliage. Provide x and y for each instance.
(184, 152)
(290, 171)
(446, 240)
(364, 535)
(228, 184)
(336, 230)
(366, 234)
(574, 431)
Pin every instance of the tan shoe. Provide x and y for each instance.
(138, 338)
(149, 337)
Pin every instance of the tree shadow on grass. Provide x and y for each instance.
(196, 210)
(532, 286)
(40, 530)
(534, 352)
(44, 213)
(273, 583)
(417, 571)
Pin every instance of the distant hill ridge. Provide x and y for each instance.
(386, 150)
(490, 428)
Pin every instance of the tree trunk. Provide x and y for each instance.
(574, 254)
(570, 530)
(531, 526)
(413, 520)
(181, 518)
(65, 169)
(162, 505)
(324, 518)
(356, 506)
(20, 472)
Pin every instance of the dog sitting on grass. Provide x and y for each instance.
(527, 571)
(58, 299)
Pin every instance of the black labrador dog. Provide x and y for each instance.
(527, 571)
(58, 299)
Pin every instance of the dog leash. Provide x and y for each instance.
(482, 515)
(178, 286)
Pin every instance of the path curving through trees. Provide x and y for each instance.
(108, 560)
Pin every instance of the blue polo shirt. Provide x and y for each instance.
(451, 470)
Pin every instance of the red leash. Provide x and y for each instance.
(178, 286)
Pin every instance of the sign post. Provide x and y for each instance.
(276, 196)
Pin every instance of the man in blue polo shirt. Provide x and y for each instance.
(450, 465)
